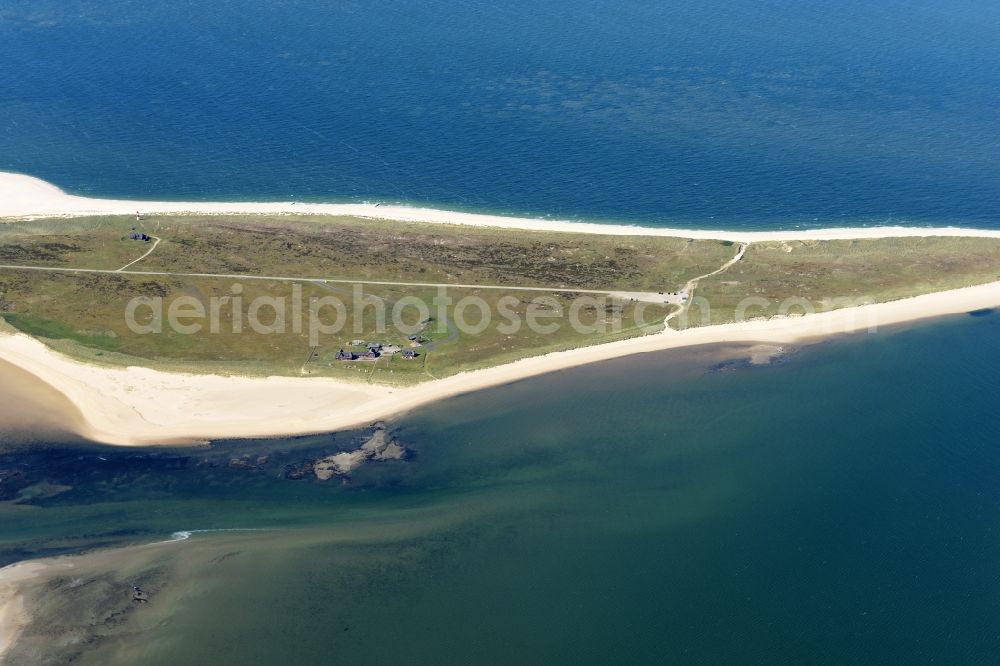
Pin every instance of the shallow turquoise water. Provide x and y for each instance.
(838, 507)
(733, 113)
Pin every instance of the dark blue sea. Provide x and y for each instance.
(729, 113)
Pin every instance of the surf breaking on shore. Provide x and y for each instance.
(24, 196)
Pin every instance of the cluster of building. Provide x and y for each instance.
(373, 351)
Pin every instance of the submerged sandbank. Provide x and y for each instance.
(28, 197)
(35, 624)
(14, 617)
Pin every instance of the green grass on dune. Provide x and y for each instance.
(83, 314)
(832, 274)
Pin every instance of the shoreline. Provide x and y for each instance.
(25, 197)
(14, 617)
(136, 406)
(140, 406)
(19, 607)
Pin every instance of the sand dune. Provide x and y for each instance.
(132, 406)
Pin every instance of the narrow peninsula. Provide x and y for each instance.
(291, 318)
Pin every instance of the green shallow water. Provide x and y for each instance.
(838, 507)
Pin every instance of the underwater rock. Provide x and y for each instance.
(246, 463)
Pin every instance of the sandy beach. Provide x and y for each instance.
(31, 410)
(25, 197)
(140, 406)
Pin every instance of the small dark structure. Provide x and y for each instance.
(370, 355)
(140, 237)
(409, 354)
